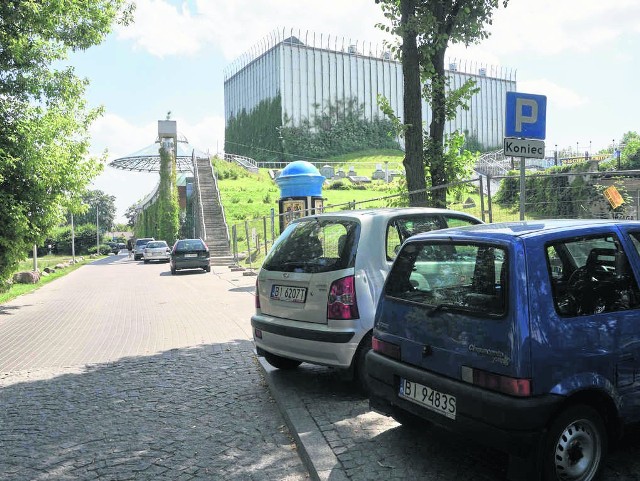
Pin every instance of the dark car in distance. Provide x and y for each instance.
(190, 254)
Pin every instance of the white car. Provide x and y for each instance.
(156, 251)
(318, 287)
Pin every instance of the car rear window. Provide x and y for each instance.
(189, 245)
(155, 244)
(451, 276)
(314, 245)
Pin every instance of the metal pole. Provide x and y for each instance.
(522, 194)
(35, 258)
(489, 199)
(264, 225)
(481, 198)
(73, 241)
(246, 233)
(273, 225)
(234, 236)
(97, 234)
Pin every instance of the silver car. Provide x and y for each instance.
(156, 251)
(138, 249)
(318, 287)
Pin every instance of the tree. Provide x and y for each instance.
(630, 151)
(44, 119)
(432, 25)
(130, 214)
(106, 205)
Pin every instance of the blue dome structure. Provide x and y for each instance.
(300, 179)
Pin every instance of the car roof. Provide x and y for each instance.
(384, 212)
(503, 230)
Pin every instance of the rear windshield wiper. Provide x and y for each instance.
(441, 307)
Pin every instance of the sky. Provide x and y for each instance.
(583, 55)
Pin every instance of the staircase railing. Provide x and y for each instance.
(246, 162)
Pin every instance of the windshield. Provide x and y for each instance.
(451, 276)
(315, 245)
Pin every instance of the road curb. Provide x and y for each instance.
(313, 448)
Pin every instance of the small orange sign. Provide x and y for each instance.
(613, 196)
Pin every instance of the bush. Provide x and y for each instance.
(338, 185)
(104, 249)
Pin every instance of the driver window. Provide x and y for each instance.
(591, 275)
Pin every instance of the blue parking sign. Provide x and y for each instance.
(526, 116)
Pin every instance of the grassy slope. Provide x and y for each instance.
(249, 196)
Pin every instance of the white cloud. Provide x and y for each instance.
(557, 95)
(234, 27)
(164, 30)
(119, 136)
(551, 27)
(167, 27)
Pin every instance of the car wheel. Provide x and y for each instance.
(146, 261)
(173, 271)
(281, 362)
(574, 446)
(360, 359)
(208, 268)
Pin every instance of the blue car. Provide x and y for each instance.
(525, 336)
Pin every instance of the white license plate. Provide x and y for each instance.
(288, 293)
(436, 401)
(191, 255)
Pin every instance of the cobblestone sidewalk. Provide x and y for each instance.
(197, 413)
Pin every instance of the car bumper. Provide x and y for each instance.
(156, 258)
(195, 263)
(314, 343)
(511, 424)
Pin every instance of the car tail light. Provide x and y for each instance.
(497, 382)
(257, 296)
(342, 303)
(386, 348)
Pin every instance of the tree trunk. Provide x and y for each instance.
(412, 101)
(436, 130)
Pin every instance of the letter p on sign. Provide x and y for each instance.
(526, 116)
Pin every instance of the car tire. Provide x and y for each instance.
(360, 368)
(280, 362)
(207, 269)
(173, 271)
(575, 445)
(146, 261)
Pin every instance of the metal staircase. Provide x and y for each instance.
(211, 225)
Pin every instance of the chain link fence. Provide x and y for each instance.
(489, 198)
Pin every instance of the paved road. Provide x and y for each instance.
(121, 371)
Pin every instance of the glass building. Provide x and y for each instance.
(309, 72)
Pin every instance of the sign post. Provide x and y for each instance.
(525, 130)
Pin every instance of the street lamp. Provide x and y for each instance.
(97, 233)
